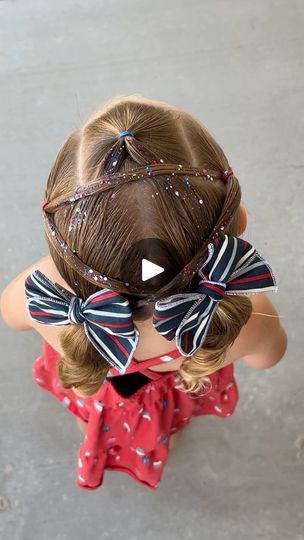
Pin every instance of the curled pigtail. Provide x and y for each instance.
(232, 313)
(82, 367)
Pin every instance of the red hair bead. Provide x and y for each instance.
(226, 174)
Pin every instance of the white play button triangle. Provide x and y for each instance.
(149, 269)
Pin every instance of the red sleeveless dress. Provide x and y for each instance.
(131, 433)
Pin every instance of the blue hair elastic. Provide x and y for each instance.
(124, 133)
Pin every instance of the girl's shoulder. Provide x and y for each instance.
(13, 298)
(262, 342)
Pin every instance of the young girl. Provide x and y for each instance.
(134, 358)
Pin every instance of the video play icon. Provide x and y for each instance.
(149, 269)
(150, 263)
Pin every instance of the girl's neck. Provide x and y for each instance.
(151, 340)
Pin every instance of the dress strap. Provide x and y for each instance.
(143, 365)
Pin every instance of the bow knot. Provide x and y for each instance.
(214, 289)
(75, 313)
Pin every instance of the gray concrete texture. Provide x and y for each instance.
(238, 67)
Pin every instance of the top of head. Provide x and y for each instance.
(112, 230)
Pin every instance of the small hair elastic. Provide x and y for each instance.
(125, 133)
(226, 174)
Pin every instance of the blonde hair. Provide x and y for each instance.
(110, 225)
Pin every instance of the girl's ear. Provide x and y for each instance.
(242, 220)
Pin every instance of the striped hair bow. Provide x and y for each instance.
(106, 316)
(233, 266)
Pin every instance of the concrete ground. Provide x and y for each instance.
(238, 67)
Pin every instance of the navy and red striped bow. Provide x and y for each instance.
(233, 266)
(106, 316)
